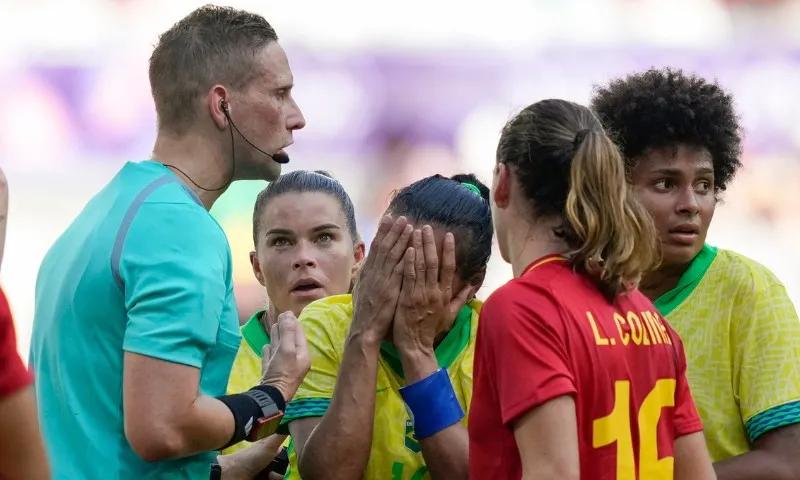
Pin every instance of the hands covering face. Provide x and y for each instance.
(404, 291)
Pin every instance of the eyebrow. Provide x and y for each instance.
(279, 231)
(326, 226)
(677, 171)
(286, 231)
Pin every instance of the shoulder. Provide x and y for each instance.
(156, 224)
(539, 288)
(523, 300)
(328, 317)
(743, 278)
(157, 198)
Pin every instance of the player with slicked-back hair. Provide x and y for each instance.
(306, 247)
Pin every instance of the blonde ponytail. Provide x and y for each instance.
(615, 237)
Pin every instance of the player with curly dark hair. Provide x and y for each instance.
(681, 140)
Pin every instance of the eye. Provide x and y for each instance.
(664, 184)
(703, 186)
(279, 242)
(324, 238)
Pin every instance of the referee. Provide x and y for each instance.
(136, 327)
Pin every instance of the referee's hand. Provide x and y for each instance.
(285, 361)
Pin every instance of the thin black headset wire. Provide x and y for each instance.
(233, 158)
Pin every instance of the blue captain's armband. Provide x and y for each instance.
(433, 404)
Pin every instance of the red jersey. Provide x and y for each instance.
(550, 333)
(13, 374)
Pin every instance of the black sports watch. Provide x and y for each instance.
(270, 418)
(216, 471)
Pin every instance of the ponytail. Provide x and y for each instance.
(614, 235)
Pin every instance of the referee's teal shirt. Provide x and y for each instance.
(144, 268)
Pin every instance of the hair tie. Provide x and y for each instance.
(472, 188)
(580, 135)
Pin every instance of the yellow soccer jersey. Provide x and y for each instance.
(395, 454)
(741, 332)
(246, 371)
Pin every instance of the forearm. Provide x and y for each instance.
(248, 462)
(204, 425)
(754, 465)
(25, 456)
(207, 425)
(339, 446)
(446, 453)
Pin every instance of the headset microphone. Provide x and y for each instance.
(280, 157)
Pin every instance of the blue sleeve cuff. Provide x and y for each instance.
(775, 417)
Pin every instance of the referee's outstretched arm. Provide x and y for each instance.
(167, 417)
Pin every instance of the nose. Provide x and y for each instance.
(687, 202)
(295, 120)
(304, 258)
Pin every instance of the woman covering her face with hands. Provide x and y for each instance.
(391, 375)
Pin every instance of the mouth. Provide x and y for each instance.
(306, 287)
(684, 234)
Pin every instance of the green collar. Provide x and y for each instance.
(670, 300)
(253, 332)
(447, 351)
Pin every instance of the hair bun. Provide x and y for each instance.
(472, 181)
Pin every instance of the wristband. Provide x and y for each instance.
(274, 394)
(256, 413)
(216, 471)
(432, 403)
(278, 465)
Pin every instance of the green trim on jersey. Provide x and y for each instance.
(306, 407)
(776, 417)
(446, 352)
(670, 300)
(253, 332)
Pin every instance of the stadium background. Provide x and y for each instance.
(392, 91)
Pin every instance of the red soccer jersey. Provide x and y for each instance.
(13, 374)
(551, 332)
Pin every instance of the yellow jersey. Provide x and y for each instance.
(740, 331)
(395, 454)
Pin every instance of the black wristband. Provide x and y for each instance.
(246, 410)
(274, 394)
